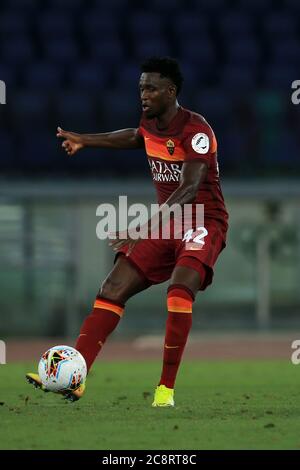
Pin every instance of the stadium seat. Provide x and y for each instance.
(44, 76)
(235, 23)
(243, 51)
(41, 153)
(89, 76)
(277, 76)
(151, 47)
(17, 50)
(8, 73)
(286, 51)
(67, 4)
(200, 53)
(55, 24)
(8, 157)
(281, 24)
(292, 6)
(104, 26)
(30, 108)
(189, 24)
(213, 6)
(113, 5)
(144, 24)
(127, 75)
(76, 109)
(61, 52)
(167, 6)
(106, 51)
(127, 104)
(239, 77)
(22, 5)
(193, 76)
(13, 25)
(255, 6)
(214, 104)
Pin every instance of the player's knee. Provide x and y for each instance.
(112, 290)
(180, 298)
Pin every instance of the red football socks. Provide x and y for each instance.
(97, 327)
(179, 322)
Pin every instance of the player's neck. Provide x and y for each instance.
(163, 121)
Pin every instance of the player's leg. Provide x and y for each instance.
(123, 282)
(184, 284)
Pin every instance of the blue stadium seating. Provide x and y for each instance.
(76, 63)
(245, 50)
(30, 108)
(44, 76)
(8, 151)
(202, 53)
(61, 52)
(151, 47)
(236, 23)
(281, 24)
(17, 50)
(106, 51)
(76, 109)
(144, 24)
(186, 24)
(55, 24)
(104, 25)
(89, 76)
(255, 6)
(277, 76)
(239, 77)
(41, 153)
(12, 24)
(286, 51)
(8, 73)
(121, 108)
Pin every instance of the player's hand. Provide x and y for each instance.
(123, 239)
(72, 143)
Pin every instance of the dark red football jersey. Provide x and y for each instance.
(187, 137)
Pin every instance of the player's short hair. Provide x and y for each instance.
(167, 67)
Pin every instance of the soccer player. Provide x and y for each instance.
(182, 153)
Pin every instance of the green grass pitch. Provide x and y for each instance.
(219, 405)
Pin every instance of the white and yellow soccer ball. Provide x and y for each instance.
(62, 368)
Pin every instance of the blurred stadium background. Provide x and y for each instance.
(75, 63)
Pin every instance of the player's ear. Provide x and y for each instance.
(172, 90)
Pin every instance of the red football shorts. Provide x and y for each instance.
(155, 260)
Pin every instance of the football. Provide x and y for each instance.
(62, 368)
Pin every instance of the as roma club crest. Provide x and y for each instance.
(170, 146)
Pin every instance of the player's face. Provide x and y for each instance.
(157, 94)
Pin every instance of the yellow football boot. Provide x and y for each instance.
(163, 396)
(35, 380)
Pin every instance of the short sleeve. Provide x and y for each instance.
(200, 143)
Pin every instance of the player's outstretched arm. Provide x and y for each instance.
(122, 139)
